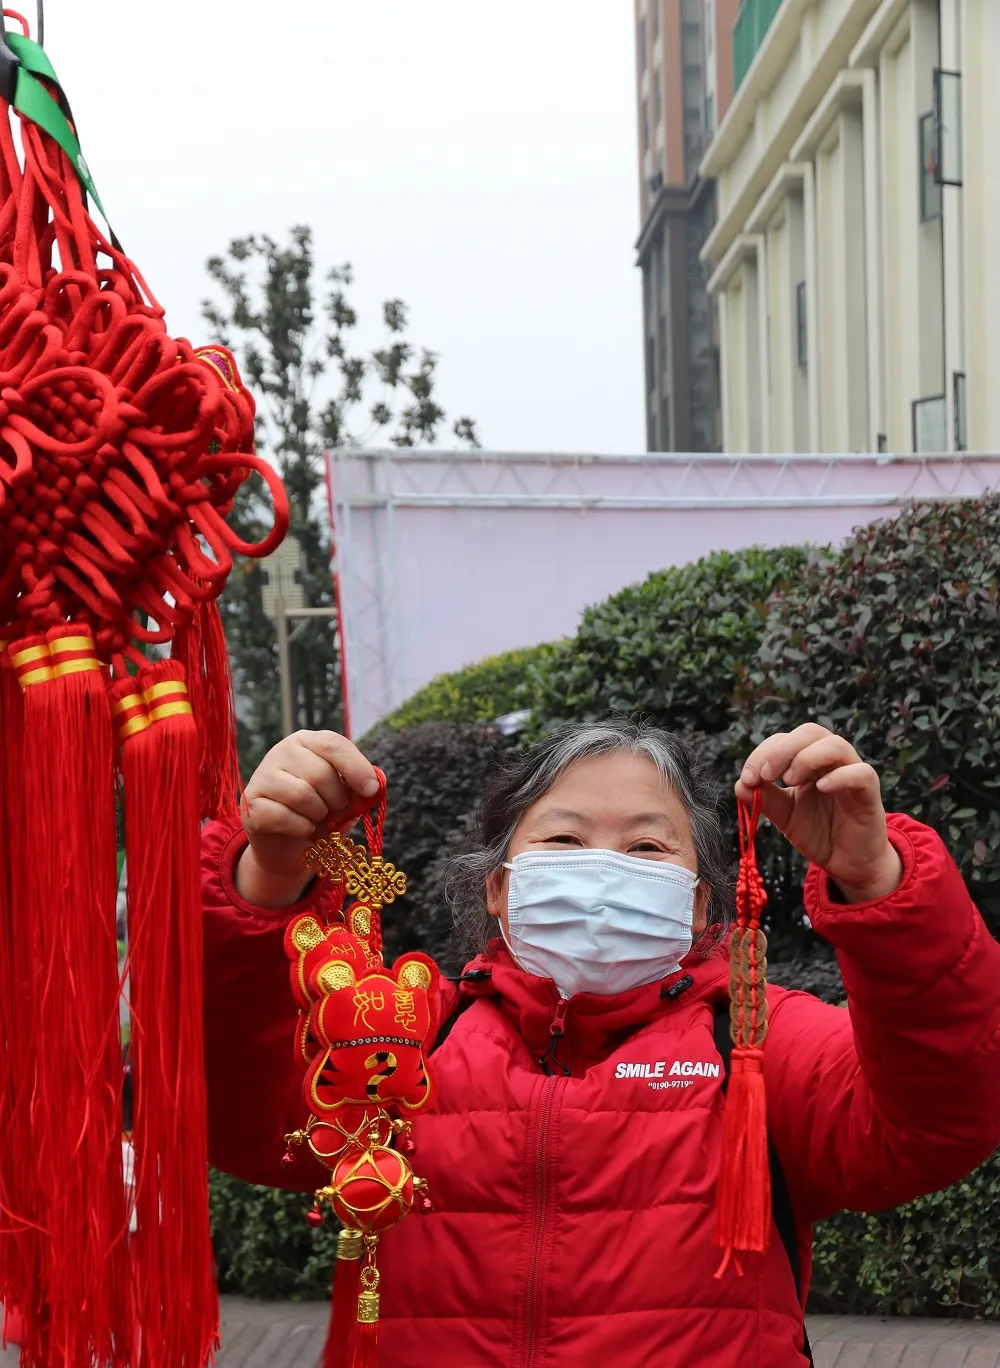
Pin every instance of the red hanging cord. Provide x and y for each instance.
(121, 453)
(744, 1193)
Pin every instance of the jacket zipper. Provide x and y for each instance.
(542, 1183)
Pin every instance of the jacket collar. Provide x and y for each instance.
(568, 1035)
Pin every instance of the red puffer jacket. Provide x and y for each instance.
(573, 1218)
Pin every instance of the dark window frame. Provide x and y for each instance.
(960, 410)
(917, 405)
(802, 326)
(945, 175)
(931, 192)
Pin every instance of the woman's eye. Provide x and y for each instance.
(562, 840)
(646, 848)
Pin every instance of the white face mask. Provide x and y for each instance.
(594, 921)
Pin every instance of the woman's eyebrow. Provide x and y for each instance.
(638, 819)
(564, 815)
(645, 819)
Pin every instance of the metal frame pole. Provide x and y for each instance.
(284, 668)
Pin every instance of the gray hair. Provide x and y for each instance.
(509, 795)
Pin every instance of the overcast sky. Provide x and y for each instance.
(477, 160)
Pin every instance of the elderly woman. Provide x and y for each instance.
(573, 1146)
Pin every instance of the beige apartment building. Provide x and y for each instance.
(684, 82)
(855, 254)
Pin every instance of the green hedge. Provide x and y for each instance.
(480, 693)
(672, 648)
(894, 642)
(936, 1257)
(263, 1246)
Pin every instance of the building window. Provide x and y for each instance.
(711, 116)
(657, 101)
(656, 20)
(709, 28)
(931, 194)
(961, 413)
(930, 425)
(801, 326)
(948, 167)
(642, 44)
(664, 344)
(666, 442)
(650, 364)
(645, 125)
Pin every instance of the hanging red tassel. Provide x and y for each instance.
(17, 1184)
(201, 648)
(366, 1355)
(76, 1301)
(176, 1303)
(341, 1336)
(744, 1195)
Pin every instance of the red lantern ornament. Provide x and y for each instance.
(371, 1190)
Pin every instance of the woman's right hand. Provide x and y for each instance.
(308, 783)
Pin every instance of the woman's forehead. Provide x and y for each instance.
(623, 787)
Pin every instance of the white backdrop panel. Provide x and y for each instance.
(444, 558)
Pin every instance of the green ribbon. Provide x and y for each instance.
(33, 101)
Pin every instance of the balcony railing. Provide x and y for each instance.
(750, 30)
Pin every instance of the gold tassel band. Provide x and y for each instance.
(350, 1245)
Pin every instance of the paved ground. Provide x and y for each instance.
(283, 1335)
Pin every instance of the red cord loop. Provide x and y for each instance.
(121, 448)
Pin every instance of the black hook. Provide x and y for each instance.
(40, 26)
(9, 64)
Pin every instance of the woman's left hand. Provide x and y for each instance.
(830, 808)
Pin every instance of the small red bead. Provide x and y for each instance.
(288, 1160)
(426, 1204)
(315, 1217)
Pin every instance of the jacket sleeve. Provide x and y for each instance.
(899, 1094)
(254, 1082)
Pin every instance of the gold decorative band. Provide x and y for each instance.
(368, 1308)
(127, 701)
(25, 657)
(40, 676)
(178, 709)
(135, 724)
(78, 666)
(62, 645)
(350, 1245)
(166, 686)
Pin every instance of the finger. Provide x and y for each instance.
(306, 764)
(832, 752)
(345, 758)
(776, 804)
(293, 792)
(772, 757)
(265, 817)
(859, 781)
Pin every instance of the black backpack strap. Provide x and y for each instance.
(781, 1202)
(445, 1030)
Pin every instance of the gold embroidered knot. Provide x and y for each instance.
(378, 882)
(333, 857)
